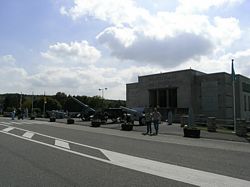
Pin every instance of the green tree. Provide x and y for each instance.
(51, 103)
(61, 98)
(11, 100)
(27, 104)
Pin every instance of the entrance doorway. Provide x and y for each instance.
(164, 97)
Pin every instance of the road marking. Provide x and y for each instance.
(28, 134)
(55, 138)
(26, 122)
(17, 123)
(6, 123)
(169, 171)
(56, 147)
(62, 144)
(174, 172)
(8, 129)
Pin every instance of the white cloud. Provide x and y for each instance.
(190, 6)
(222, 64)
(225, 31)
(86, 80)
(170, 39)
(165, 38)
(170, 51)
(12, 78)
(241, 61)
(118, 36)
(7, 60)
(74, 52)
(112, 11)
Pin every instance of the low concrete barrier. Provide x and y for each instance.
(52, 119)
(211, 124)
(70, 121)
(241, 127)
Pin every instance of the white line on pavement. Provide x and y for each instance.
(55, 138)
(26, 122)
(56, 147)
(6, 123)
(8, 129)
(17, 123)
(62, 144)
(28, 134)
(174, 172)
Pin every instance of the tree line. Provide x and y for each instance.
(60, 101)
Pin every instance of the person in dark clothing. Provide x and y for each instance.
(156, 120)
(148, 120)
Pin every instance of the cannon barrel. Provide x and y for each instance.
(131, 111)
(86, 107)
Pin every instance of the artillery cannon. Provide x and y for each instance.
(86, 112)
(136, 115)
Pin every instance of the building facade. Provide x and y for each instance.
(207, 94)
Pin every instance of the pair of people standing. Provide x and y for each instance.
(154, 117)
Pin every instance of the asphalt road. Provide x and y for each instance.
(35, 153)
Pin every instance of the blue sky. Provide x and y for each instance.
(79, 46)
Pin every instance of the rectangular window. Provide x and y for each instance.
(153, 98)
(172, 97)
(245, 102)
(249, 103)
(162, 97)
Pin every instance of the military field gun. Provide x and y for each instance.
(86, 112)
(135, 115)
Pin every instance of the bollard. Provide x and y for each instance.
(241, 127)
(211, 124)
(184, 120)
(52, 119)
(70, 121)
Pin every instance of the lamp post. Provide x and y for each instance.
(21, 100)
(32, 103)
(44, 105)
(102, 89)
(234, 111)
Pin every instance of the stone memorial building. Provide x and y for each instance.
(207, 94)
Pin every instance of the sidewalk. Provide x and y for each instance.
(165, 129)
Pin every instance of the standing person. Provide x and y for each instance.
(13, 114)
(148, 120)
(170, 117)
(156, 120)
(22, 113)
(26, 112)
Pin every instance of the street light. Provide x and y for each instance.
(21, 100)
(32, 103)
(102, 89)
(44, 105)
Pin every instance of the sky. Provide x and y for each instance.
(80, 46)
